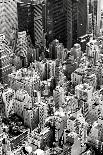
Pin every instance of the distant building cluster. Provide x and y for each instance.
(51, 77)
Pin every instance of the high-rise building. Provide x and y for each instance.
(98, 16)
(68, 7)
(56, 21)
(71, 21)
(8, 98)
(38, 22)
(8, 17)
(79, 19)
(30, 14)
(5, 66)
(42, 114)
(25, 19)
(95, 9)
(21, 48)
(65, 20)
(90, 24)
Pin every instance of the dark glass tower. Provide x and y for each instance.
(79, 18)
(30, 19)
(66, 20)
(25, 19)
(56, 21)
(68, 14)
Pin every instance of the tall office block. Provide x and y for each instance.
(90, 24)
(2, 17)
(53, 49)
(38, 22)
(69, 24)
(5, 66)
(95, 9)
(79, 18)
(49, 21)
(8, 17)
(68, 18)
(30, 15)
(22, 48)
(43, 113)
(98, 16)
(74, 20)
(94, 14)
(25, 19)
(56, 21)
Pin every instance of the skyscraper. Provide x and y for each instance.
(5, 66)
(38, 22)
(95, 10)
(75, 21)
(68, 14)
(65, 20)
(98, 16)
(8, 17)
(56, 21)
(25, 18)
(30, 19)
(79, 18)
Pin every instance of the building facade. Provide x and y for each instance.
(5, 66)
(8, 17)
(95, 10)
(30, 19)
(68, 14)
(56, 21)
(79, 19)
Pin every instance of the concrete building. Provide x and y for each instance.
(71, 123)
(58, 95)
(76, 51)
(91, 80)
(93, 51)
(32, 19)
(8, 17)
(21, 48)
(5, 66)
(31, 117)
(42, 114)
(78, 75)
(98, 16)
(95, 9)
(8, 99)
(84, 91)
(90, 24)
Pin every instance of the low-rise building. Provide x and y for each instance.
(84, 91)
